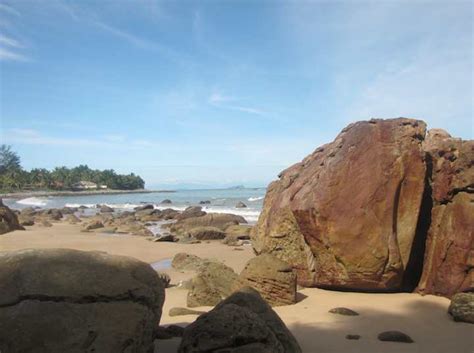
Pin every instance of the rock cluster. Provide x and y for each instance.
(356, 213)
(60, 300)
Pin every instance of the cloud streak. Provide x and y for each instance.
(231, 103)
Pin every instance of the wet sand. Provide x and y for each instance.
(423, 318)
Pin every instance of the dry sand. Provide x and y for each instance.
(425, 319)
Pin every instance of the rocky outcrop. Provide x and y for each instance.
(213, 282)
(8, 220)
(60, 300)
(243, 322)
(271, 277)
(218, 220)
(462, 307)
(346, 216)
(206, 233)
(449, 256)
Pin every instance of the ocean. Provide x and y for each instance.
(221, 201)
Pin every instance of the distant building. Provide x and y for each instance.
(85, 185)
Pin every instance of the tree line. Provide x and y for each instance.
(13, 177)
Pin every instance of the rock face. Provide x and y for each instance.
(346, 216)
(8, 220)
(462, 307)
(271, 277)
(449, 256)
(78, 302)
(213, 282)
(243, 322)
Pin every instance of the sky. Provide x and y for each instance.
(221, 93)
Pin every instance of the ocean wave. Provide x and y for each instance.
(251, 199)
(33, 201)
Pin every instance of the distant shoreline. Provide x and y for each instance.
(26, 194)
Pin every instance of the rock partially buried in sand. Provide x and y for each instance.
(243, 322)
(93, 225)
(184, 311)
(8, 220)
(344, 311)
(352, 337)
(206, 233)
(60, 300)
(271, 277)
(462, 307)
(394, 336)
(213, 282)
(187, 262)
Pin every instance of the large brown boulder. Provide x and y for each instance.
(271, 277)
(8, 220)
(61, 300)
(243, 322)
(346, 216)
(449, 256)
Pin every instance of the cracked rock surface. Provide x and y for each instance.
(61, 300)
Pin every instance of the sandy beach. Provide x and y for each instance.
(423, 318)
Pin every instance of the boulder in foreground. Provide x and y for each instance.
(60, 300)
(243, 322)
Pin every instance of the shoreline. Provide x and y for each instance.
(26, 194)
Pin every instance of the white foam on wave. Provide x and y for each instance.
(33, 201)
(252, 199)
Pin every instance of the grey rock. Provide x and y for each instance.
(394, 336)
(462, 307)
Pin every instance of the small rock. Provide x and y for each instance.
(462, 307)
(45, 223)
(240, 204)
(106, 209)
(93, 225)
(166, 202)
(343, 311)
(394, 336)
(184, 311)
(205, 202)
(184, 261)
(144, 207)
(352, 337)
(166, 237)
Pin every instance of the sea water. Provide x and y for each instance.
(221, 201)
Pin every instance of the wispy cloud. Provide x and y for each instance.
(8, 55)
(10, 10)
(36, 137)
(10, 48)
(218, 100)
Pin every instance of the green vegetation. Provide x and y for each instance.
(14, 178)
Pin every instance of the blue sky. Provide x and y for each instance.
(217, 93)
